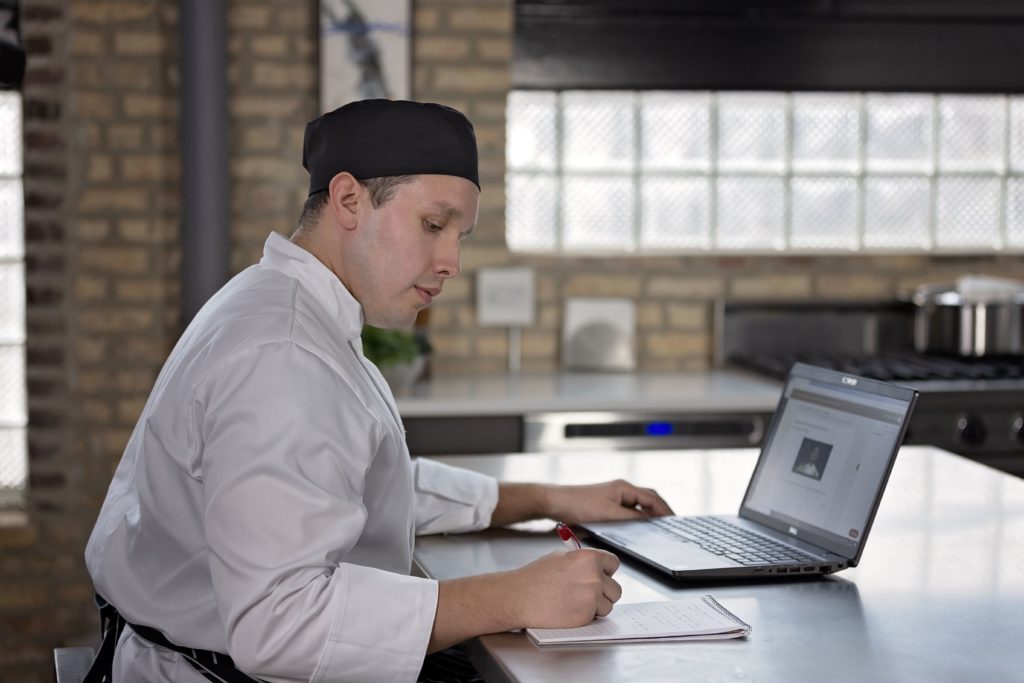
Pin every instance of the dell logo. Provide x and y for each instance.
(792, 530)
(850, 380)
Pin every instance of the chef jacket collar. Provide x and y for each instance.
(322, 284)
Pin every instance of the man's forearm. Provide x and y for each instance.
(519, 502)
(470, 607)
(607, 501)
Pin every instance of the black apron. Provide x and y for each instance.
(213, 666)
(446, 666)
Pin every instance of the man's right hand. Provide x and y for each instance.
(559, 590)
(565, 589)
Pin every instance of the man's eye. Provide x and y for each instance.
(433, 226)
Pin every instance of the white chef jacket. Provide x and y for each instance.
(266, 504)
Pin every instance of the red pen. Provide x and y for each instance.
(568, 537)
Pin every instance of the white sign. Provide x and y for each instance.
(504, 296)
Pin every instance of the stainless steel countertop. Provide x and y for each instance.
(939, 594)
(511, 394)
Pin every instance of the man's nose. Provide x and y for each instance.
(447, 261)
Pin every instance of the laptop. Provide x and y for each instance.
(808, 508)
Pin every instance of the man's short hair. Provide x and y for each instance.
(381, 192)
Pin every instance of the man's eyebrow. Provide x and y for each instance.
(447, 209)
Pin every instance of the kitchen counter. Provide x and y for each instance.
(513, 413)
(938, 596)
(717, 391)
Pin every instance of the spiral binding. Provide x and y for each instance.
(717, 606)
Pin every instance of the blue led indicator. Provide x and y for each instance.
(659, 428)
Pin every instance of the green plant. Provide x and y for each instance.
(389, 347)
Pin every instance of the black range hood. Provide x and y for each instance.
(965, 46)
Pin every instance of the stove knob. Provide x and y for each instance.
(1017, 427)
(970, 430)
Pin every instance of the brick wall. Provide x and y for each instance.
(102, 173)
(38, 578)
(102, 184)
(273, 82)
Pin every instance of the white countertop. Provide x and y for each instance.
(508, 394)
(938, 595)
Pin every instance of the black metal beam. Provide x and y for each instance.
(205, 187)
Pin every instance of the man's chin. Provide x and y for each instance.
(392, 323)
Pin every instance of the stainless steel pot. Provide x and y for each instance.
(951, 320)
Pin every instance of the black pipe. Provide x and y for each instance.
(205, 188)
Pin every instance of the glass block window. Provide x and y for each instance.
(13, 410)
(764, 172)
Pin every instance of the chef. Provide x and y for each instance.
(261, 522)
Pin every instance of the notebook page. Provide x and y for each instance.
(671, 619)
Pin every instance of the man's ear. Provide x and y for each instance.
(344, 197)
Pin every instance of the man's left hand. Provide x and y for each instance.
(613, 500)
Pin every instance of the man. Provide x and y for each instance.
(266, 506)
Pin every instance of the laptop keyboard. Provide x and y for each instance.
(721, 538)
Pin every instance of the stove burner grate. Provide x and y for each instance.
(891, 367)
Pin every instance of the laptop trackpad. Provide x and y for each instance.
(661, 548)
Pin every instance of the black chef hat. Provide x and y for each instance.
(374, 138)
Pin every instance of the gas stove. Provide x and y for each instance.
(971, 406)
(923, 371)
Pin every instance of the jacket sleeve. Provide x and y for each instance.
(286, 444)
(451, 498)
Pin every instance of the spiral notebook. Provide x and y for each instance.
(642, 622)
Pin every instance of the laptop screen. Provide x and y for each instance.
(827, 457)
